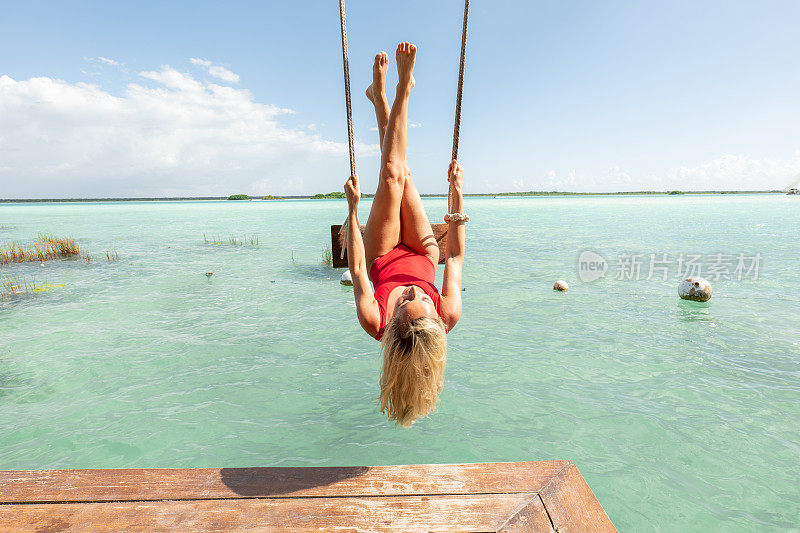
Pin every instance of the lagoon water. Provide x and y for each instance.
(680, 415)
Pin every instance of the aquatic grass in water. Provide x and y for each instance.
(112, 256)
(327, 256)
(44, 248)
(247, 240)
(15, 286)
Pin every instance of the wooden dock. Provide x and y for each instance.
(526, 496)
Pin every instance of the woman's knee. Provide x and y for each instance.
(393, 173)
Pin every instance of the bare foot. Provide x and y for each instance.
(406, 55)
(377, 90)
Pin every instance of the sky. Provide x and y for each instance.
(155, 99)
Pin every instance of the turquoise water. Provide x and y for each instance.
(680, 415)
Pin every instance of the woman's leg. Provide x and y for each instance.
(415, 229)
(383, 226)
(377, 93)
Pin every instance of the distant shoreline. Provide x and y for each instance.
(310, 197)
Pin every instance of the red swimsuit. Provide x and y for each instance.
(401, 266)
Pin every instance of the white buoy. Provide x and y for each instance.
(560, 286)
(347, 279)
(695, 289)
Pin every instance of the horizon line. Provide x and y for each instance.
(435, 195)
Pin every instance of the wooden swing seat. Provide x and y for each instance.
(439, 232)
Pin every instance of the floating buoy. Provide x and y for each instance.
(560, 286)
(347, 279)
(695, 289)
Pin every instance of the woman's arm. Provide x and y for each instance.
(369, 315)
(450, 303)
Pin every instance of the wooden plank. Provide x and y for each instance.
(439, 232)
(571, 504)
(393, 513)
(531, 518)
(214, 483)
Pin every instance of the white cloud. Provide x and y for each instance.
(173, 79)
(200, 62)
(552, 181)
(614, 177)
(728, 172)
(223, 74)
(215, 70)
(735, 172)
(104, 61)
(169, 135)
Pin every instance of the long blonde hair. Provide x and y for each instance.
(414, 355)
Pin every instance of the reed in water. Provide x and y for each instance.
(44, 248)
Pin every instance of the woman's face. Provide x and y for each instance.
(414, 303)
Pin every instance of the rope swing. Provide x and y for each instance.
(456, 127)
(346, 65)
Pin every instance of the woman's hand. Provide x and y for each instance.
(455, 175)
(353, 192)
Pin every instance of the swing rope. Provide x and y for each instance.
(346, 64)
(457, 125)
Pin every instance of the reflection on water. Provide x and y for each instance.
(317, 272)
(695, 311)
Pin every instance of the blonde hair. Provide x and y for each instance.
(414, 354)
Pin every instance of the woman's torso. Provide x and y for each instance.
(401, 266)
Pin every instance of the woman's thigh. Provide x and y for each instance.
(382, 233)
(416, 231)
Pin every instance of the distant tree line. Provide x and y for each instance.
(321, 196)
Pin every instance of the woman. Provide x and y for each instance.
(399, 255)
